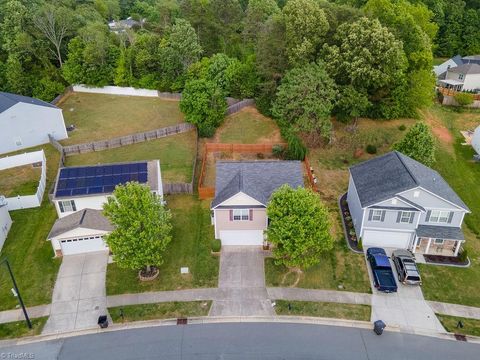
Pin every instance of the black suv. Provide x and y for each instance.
(406, 268)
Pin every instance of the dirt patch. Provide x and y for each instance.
(298, 274)
(438, 129)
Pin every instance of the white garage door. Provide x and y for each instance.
(241, 237)
(83, 245)
(388, 239)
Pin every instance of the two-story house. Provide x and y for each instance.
(464, 77)
(397, 202)
(79, 195)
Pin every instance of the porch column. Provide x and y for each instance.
(457, 248)
(428, 245)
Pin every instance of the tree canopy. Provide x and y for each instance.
(142, 226)
(418, 143)
(299, 227)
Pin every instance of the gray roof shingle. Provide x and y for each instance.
(257, 179)
(466, 69)
(385, 176)
(7, 100)
(440, 232)
(86, 218)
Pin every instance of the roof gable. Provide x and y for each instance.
(85, 219)
(7, 100)
(257, 179)
(387, 176)
(241, 199)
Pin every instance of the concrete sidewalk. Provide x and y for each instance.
(455, 310)
(297, 294)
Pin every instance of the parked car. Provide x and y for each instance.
(406, 267)
(383, 278)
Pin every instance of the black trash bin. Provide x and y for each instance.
(378, 327)
(103, 321)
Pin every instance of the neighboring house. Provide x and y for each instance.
(88, 187)
(5, 221)
(242, 192)
(396, 202)
(476, 140)
(26, 122)
(450, 63)
(79, 195)
(465, 77)
(122, 25)
(80, 232)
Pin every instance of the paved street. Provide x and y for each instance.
(242, 280)
(248, 341)
(79, 295)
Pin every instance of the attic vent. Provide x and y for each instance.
(394, 201)
(416, 194)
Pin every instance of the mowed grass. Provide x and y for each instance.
(190, 247)
(248, 127)
(20, 329)
(101, 117)
(176, 154)
(20, 180)
(470, 326)
(28, 251)
(323, 309)
(167, 310)
(454, 163)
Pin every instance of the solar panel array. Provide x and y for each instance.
(101, 179)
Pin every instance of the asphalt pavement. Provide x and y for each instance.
(232, 341)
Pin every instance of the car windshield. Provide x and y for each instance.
(413, 278)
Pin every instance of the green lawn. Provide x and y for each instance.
(176, 154)
(454, 163)
(20, 329)
(192, 237)
(340, 269)
(439, 61)
(28, 251)
(167, 310)
(323, 309)
(20, 180)
(470, 326)
(248, 127)
(99, 117)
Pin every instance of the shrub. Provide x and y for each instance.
(277, 150)
(463, 99)
(402, 127)
(216, 245)
(360, 244)
(371, 149)
(463, 255)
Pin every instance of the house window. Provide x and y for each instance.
(377, 215)
(438, 216)
(461, 76)
(406, 216)
(439, 241)
(67, 206)
(241, 214)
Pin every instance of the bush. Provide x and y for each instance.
(463, 255)
(371, 149)
(277, 150)
(402, 127)
(216, 245)
(360, 244)
(463, 99)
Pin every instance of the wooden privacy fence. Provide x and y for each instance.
(127, 140)
(311, 177)
(451, 92)
(207, 192)
(232, 109)
(177, 188)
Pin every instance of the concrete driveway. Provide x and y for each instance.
(242, 282)
(79, 295)
(406, 309)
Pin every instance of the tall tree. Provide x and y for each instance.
(305, 99)
(299, 227)
(258, 11)
(418, 143)
(306, 25)
(142, 227)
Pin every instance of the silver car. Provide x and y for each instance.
(406, 268)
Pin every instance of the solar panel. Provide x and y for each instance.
(98, 179)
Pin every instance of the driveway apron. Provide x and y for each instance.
(79, 295)
(242, 280)
(406, 309)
